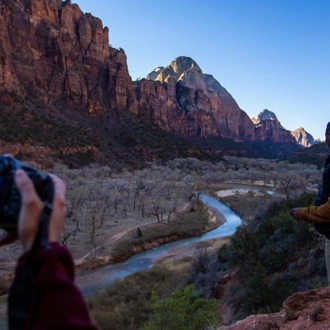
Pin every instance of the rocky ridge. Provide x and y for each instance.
(304, 138)
(59, 57)
(265, 115)
(268, 118)
(182, 99)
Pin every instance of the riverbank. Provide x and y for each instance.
(214, 219)
(95, 280)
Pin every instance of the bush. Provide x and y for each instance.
(243, 251)
(182, 311)
(282, 285)
(258, 298)
(126, 304)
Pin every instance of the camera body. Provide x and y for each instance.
(10, 198)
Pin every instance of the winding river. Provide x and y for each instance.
(97, 279)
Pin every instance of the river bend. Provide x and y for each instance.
(94, 280)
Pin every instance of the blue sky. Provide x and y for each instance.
(268, 54)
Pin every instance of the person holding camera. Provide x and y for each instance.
(43, 295)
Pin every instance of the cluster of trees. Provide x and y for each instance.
(281, 257)
(100, 201)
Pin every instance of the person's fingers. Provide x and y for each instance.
(59, 209)
(292, 213)
(26, 188)
(60, 189)
(295, 213)
(31, 207)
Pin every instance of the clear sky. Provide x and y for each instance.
(268, 54)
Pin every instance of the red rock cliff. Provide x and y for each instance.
(269, 128)
(54, 52)
(181, 99)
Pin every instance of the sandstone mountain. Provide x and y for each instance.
(304, 138)
(265, 115)
(267, 118)
(182, 99)
(54, 52)
(57, 68)
(65, 94)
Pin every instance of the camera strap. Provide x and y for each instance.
(41, 239)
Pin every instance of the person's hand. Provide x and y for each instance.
(31, 207)
(295, 212)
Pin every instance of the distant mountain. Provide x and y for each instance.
(267, 121)
(304, 138)
(154, 74)
(182, 99)
(264, 115)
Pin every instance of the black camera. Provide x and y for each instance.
(10, 198)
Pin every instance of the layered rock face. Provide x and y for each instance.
(53, 52)
(304, 138)
(265, 115)
(269, 128)
(182, 99)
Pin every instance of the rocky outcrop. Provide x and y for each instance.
(265, 115)
(182, 99)
(51, 51)
(303, 138)
(302, 310)
(269, 128)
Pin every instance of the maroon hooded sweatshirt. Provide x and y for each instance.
(56, 302)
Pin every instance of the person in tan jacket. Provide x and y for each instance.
(320, 213)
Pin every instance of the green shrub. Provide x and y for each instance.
(258, 298)
(126, 304)
(182, 311)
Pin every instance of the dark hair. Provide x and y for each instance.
(327, 130)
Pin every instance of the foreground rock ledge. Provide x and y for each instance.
(302, 310)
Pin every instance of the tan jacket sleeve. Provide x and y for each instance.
(318, 214)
